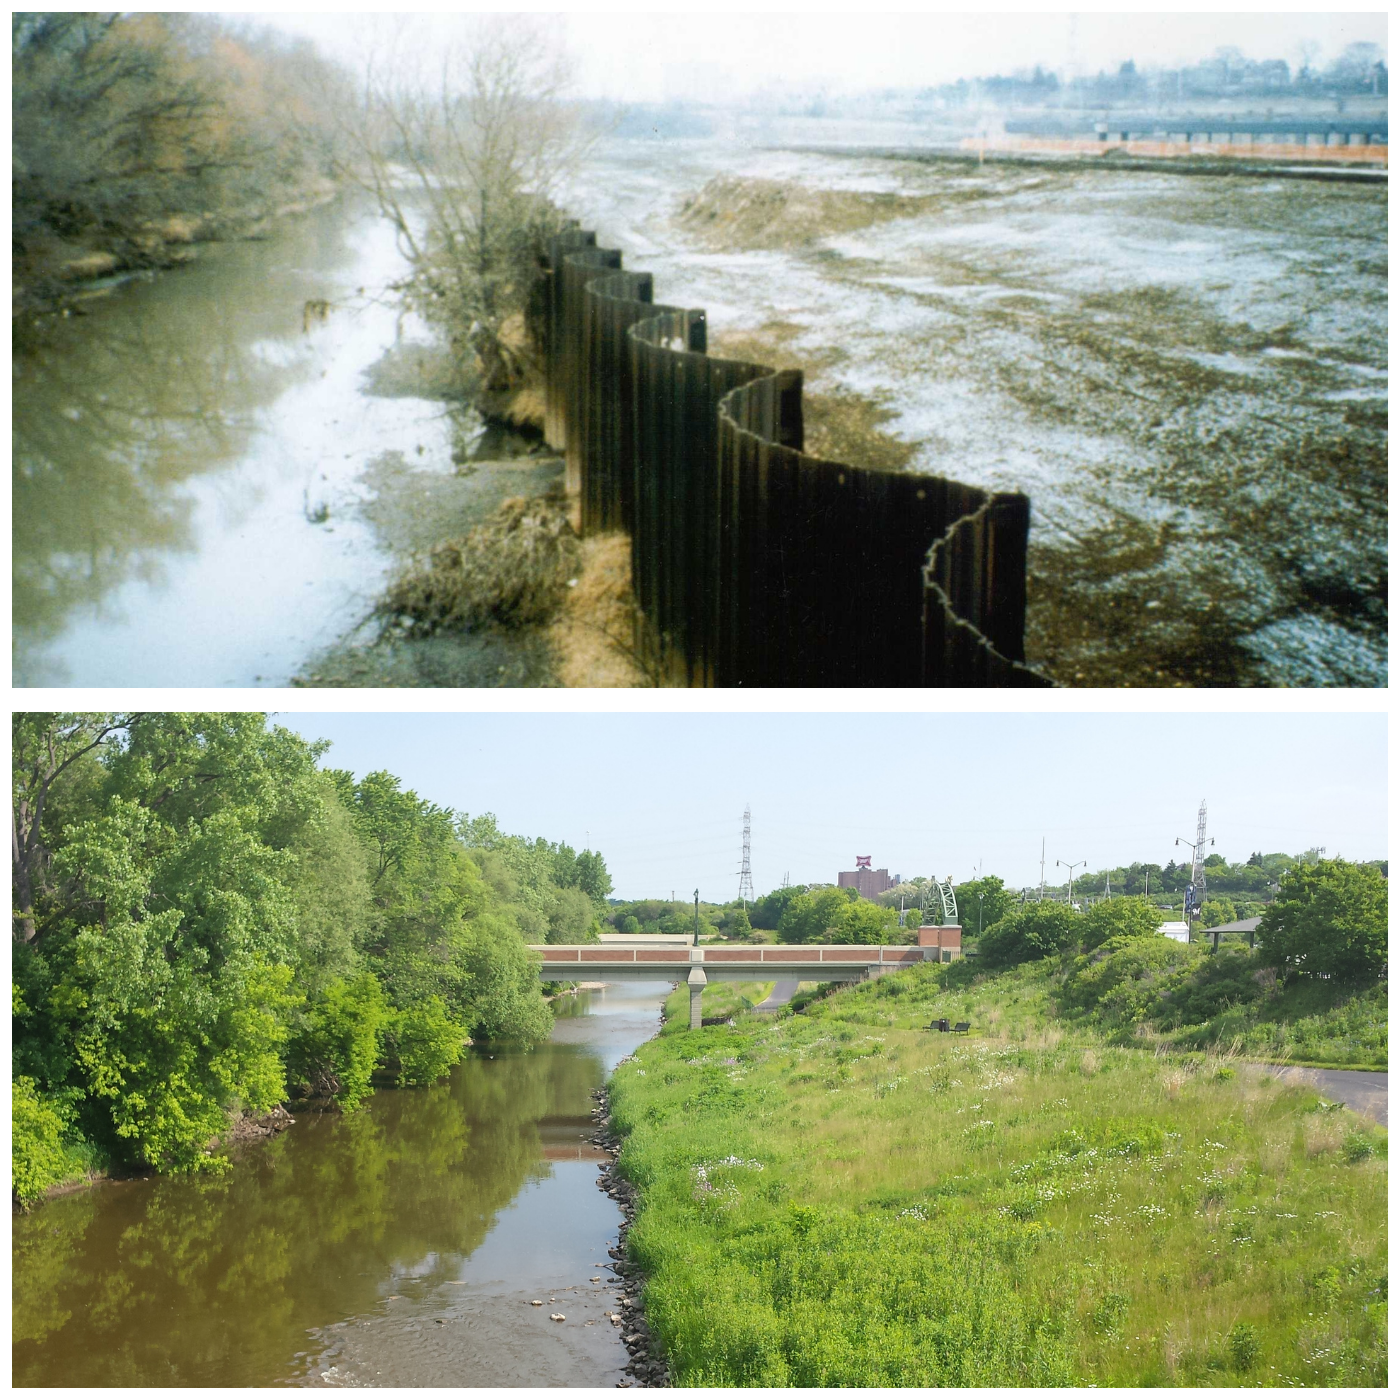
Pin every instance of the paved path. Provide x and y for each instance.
(782, 993)
(1361, 1089)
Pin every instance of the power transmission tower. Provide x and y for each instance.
(746, 870)
(1196, 890)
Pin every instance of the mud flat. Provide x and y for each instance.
(1188, 377)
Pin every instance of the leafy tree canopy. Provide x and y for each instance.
(1030, 932)
(1329, 920)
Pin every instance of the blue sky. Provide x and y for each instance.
(662, 795)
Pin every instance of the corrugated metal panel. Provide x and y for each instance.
(754, 563)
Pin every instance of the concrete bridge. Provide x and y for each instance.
(651, 960)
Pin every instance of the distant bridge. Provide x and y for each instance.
(650, 961)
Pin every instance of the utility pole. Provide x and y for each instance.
(697, 918)
(1071, 866)
(1196, 891)
(745, 870)
(1042, 870)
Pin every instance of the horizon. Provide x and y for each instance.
(654, 56)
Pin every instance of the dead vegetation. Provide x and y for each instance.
(839, 424)
(730, 212)
(513, 571)
(594, 637)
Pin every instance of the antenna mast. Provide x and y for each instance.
(1196, 891)
(745, 870)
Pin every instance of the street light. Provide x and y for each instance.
(1071, 866)
(697, 918)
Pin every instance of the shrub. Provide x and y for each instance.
(37, 1155)
(338, 1048)
(1030, 932)
(1244, 1346)
(1124, 916)
(425, 1041)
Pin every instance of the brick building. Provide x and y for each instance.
(865, 881)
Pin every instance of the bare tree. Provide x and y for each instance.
(463, 149)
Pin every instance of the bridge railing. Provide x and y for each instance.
(753, 562)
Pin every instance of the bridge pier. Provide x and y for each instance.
(697, 983)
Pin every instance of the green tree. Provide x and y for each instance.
(572, 917)
(814, 916)
(1329, 920)
(984, 902)
(768, 911)
(1217, 911)
(38, 1159)
(425, 1042)
(864, 922)
(1030, 932)
(738, 925)
(341, 1040)
(1123, 916)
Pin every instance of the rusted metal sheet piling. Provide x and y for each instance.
(752, 562)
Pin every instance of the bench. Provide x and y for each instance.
(962, 1028)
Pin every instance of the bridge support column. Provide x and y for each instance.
(697, 982)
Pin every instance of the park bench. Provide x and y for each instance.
(962, 1028)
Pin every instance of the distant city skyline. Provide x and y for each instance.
(728, 53)
(662, 795)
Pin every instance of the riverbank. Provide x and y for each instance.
(399, 1245)
(55, 276)
(841, 1198)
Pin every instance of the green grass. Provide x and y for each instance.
(836, 1198)
(718, 999)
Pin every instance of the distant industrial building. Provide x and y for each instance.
(865, 881)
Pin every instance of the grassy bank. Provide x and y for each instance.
(836, 1198)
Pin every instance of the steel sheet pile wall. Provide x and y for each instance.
(753, 563)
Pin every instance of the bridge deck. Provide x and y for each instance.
(820, 962)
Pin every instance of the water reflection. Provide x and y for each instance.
(222, 1281)
(115, 409)
(167, 444)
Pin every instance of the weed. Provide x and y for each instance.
(512, 571)
(982, 1216)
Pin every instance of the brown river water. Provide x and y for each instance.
(400, 1245)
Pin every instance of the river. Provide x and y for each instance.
(216, 468)
(401, 1245)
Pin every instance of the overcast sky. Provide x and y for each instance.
(648, 55)
(662, 795)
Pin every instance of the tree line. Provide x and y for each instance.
(121, 121)
(207, 922)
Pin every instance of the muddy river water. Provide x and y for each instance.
(398, 1246)
(1187, 375)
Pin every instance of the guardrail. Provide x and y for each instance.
(754, 563)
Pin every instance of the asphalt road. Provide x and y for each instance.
(782, 993)
(1360, 1089)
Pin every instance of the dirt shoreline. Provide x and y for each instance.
(57, 276)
